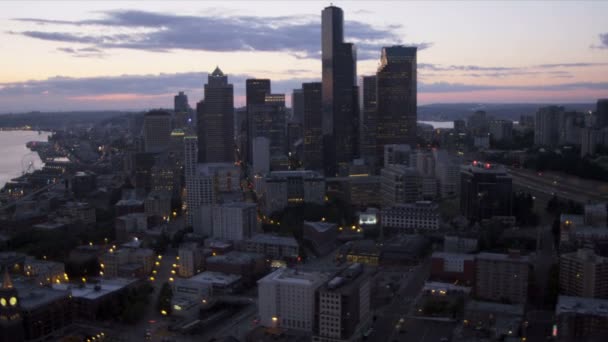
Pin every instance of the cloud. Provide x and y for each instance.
(603, 42)
(297, 35)
(569, 65)
(82, 52)
(445, 87)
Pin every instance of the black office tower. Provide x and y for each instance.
(313, 113)
(216, 120)
(256, 91)
(486, 191)
(367, 124)
(396, 97)
(340, 98)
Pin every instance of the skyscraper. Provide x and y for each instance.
(368, 121)
(268, 119)
(297, 105)
(157, 131)
(397, 97)
(547, 124)
(340, 93)
(313, 114)
(180, 102)
(601, 113)
(256, 90)
(215, 120)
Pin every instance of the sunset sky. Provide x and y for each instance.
(136, 55)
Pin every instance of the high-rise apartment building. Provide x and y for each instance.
(583, 274)
(180, 103)
(340, 93)
(486, 191)
(601, 113)
(343, 304)
(216, 120)
(157, 131)
(546, 125)
(313, 129)
(502, 277)
(397, 97)
(287, 299)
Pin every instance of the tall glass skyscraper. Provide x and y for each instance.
(256, 90)
(396, 97)
(339, 93)
(313, 113)
(216, 120)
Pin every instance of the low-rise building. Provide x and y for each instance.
(583, 274)
(127, 262)
(419, 216)
(44, 272)
(273, 246)
(246, 265)
(451, 267)
(500, 320)
(321, 235)
(191, 259)
(459, 244)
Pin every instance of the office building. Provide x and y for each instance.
(343, 304)
(268, 120)
(399, 184)
(215, 124)
(367, 125)
(234, 221)
(280, 189)
(261, 155)
(486, 191)
(398, 154)
(596, 215)
(255, 92)
(180, 103)
(339, 93)
(460, 126)
(581, 319)
(502, 277)
(297, 106)
(601, 113)
(501, 130)
(287, 299)
(447, 173)
(191, 259)
(583, 274)
(459, 244)
(157, 131)
(546, 125)
(190, 164)
(411, 217)
(312, 157)
(477, 123)
(397, 97)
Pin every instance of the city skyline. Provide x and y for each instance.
(127, 56)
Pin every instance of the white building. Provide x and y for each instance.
(157, 131)
(234, 221)
(286, 299)
(190, 259)
(399, 184)
(422, 215)
(447, 173)
(261, 155)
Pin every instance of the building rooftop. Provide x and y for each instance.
(497, 308)
(233, 257)
(320, 227)
(215, 278)
(503, 257)
(347, 279)
(449, 255)
(582, 306)
(439, 286)
(274, 240)
(94, 291)
(49, 225)
(32, 297)
(238, 204)
(294, 277)
(481, 167)
(296, 173)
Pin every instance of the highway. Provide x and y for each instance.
(563, 186)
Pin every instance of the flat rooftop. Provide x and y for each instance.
(233, 257)
(215, 278)
(496, 308)
(582, 306)
(32, 297)
(294, 277)
(89, 291)
(274, 240)
(503, 257)
(450, 255)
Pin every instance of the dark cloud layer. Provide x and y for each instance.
(299, 36)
